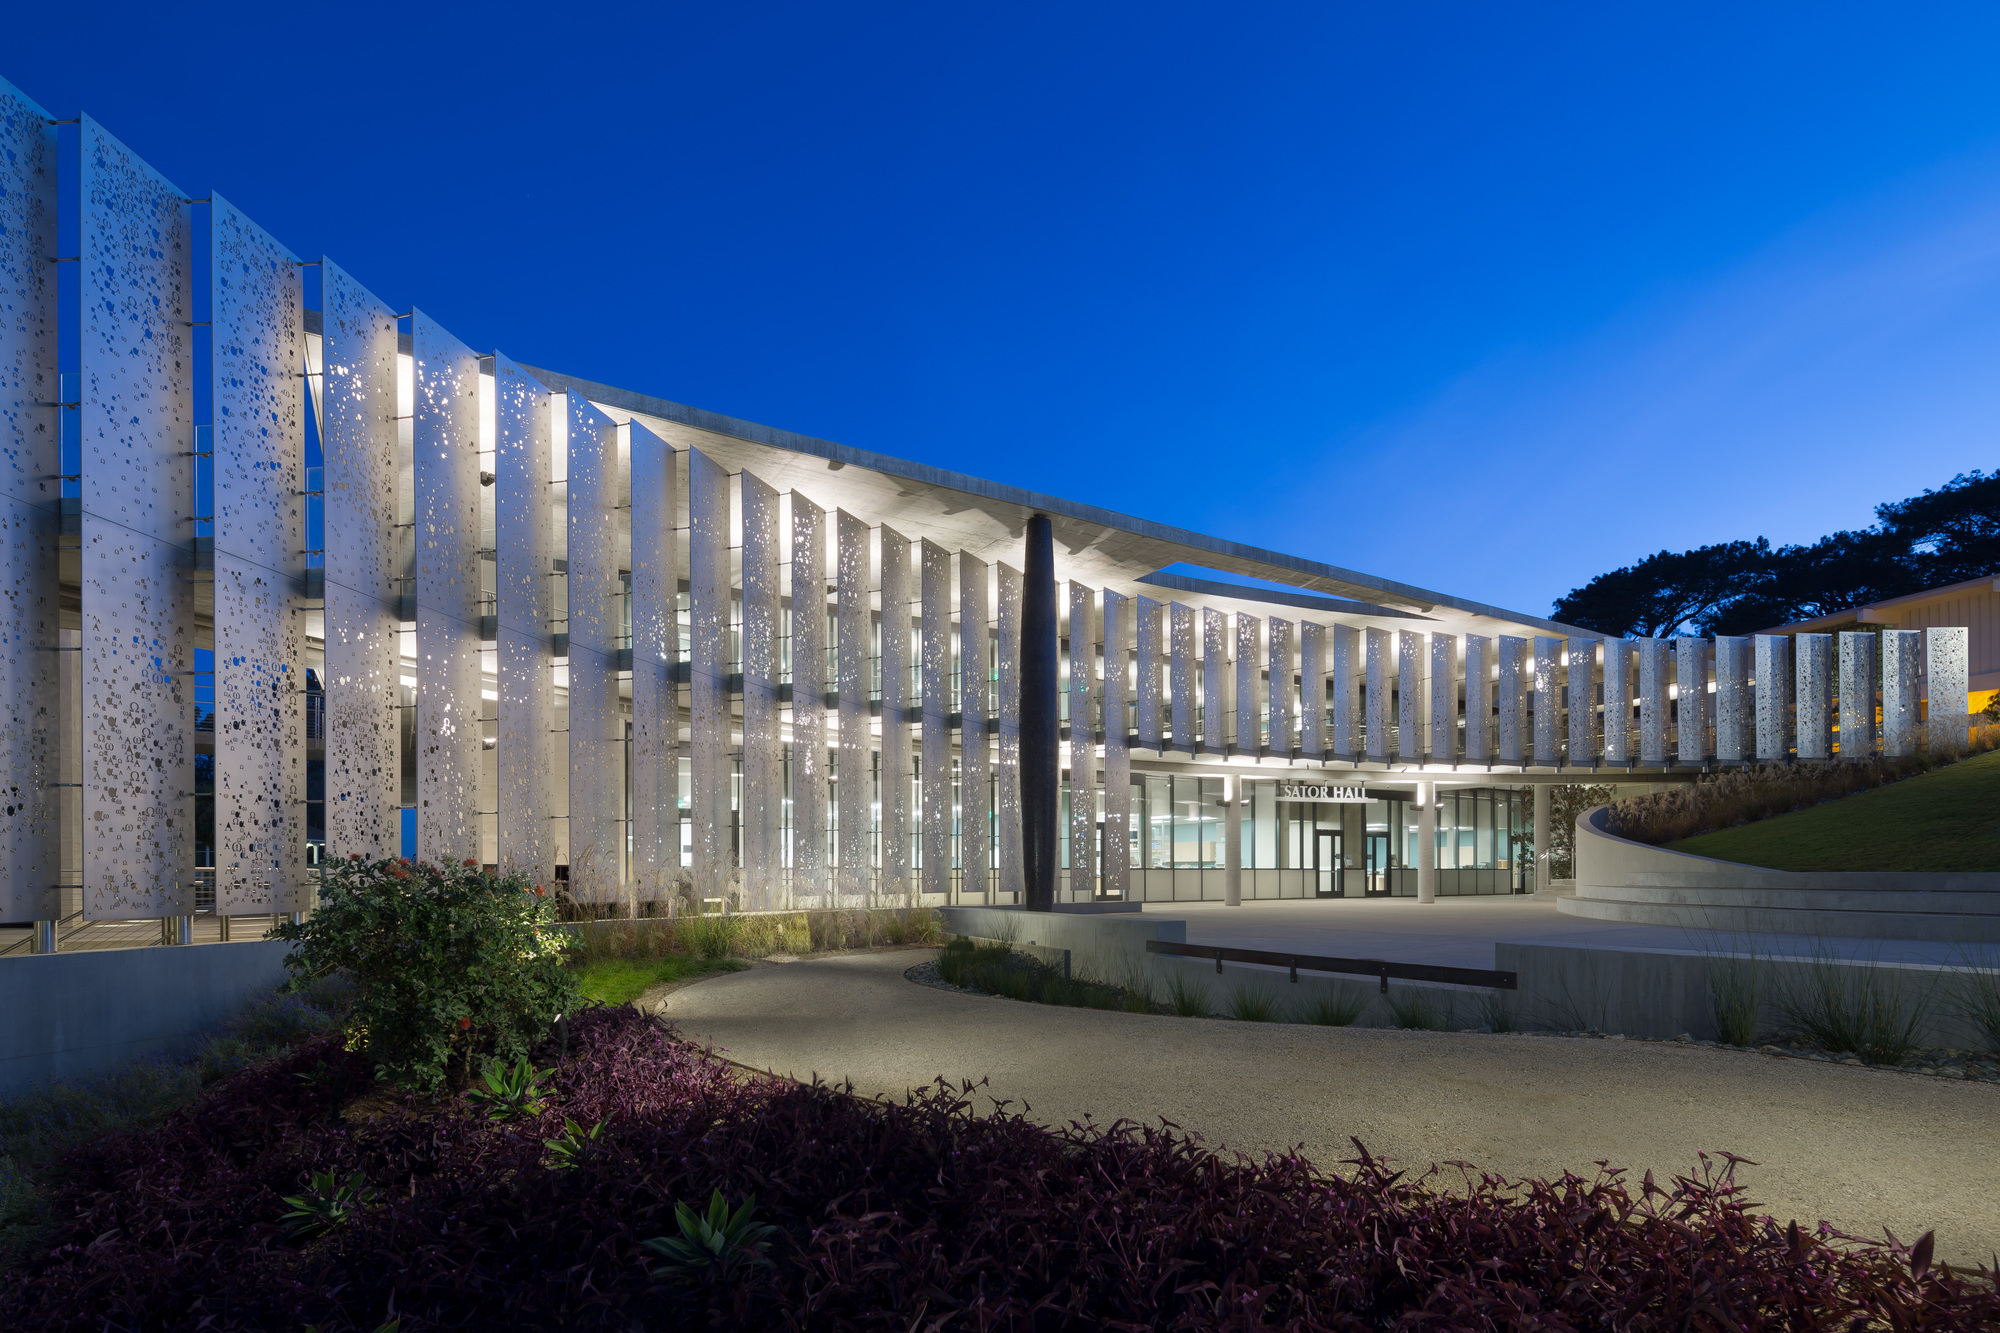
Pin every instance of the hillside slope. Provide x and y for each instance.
(1947, 819)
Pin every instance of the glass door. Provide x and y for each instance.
(1328, 880)
(1378, 866)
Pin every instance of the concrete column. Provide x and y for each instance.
(1544, 844)
(1232, 836)
(1427, 826)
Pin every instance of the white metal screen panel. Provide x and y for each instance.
(1774, 696)
(358, 450)
(1312, 691)
(136, 429)
(1007, 784)
(1902, 660)
(1182, 669)
(1946, 665)
(1116, 870)
(763, 756)
(1653, 702)
(1409, 695)
(1732, 700)
(1214, 681)
(934, 635)
(1346, 689)
(1381, 647)
(854, 783)
(656, 652)
(975, 856)
(1249, 692)
(1279, 687)
(524, 747)
(30, 459)
(596, 727)
(1813, 662)
(1857, 695)
(1691, 700)
(709, 715)
(1149, 624)
(1478, 699)
(1581, 680)
(896, 777)
(1444, 698)
(1082, 740)
(809, 775)
(256, 308)
(445, 447)
(1548, 700)
(1509, 731)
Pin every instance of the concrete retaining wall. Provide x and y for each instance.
(79, 1015)
(1664, 993)
(1102, 946)
(1621, 880)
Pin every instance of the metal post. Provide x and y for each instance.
(1040, 762)
(177, 929)
(222, 927)
(1427, 823)
(1544, 841)
(1232, 835)
(45, 937)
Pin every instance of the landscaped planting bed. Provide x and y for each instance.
(929, 1214)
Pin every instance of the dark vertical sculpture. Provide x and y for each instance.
(1040, 772)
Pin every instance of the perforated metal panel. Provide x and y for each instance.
(1444, 699)
(1312, 691)
(1580, 678)
(524, 747)
(1248, 694)
(975, 856)
(1857, 696)
(709, 715)
(1732, 700)
(1215, 701)
(1278, 687)
(1410, 695)
(1082, 630)
(1182, 671)
(445, 436)
(1381, 650)
(1478, 699)
(1346, 691)
(1774, 696)
(934, 633)
(256, 306)
(809, 770)
(1150, 622)
(1946, 658)
(1007, 785)
(359, 450)
(1813, 659)
(596, 725)
(1510, 733)
(896, 881)
(1902, 665)
(1116, 855)
(1691, 705)
(30, 459)
(855, 783)
(1548, 701)
(1618, 701)
(1654, 706)
(136, 430)
(763, 757)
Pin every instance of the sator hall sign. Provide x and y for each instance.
(1334, 792)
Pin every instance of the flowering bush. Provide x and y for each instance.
(449, 963)
(925, 1215)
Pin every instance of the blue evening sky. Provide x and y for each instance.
(1487, 298)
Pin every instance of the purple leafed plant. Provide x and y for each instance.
(925, 1215)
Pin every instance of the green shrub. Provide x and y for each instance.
(1978, 1000)
(448, 963)
(1253, 1004)
(1421, 1007)
(1186, 995)
(1336, 1008)
(1497, 1008)
(1735, 985)
(1876, 1013)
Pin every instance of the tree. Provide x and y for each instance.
(1665, 591)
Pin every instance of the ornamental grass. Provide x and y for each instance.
(931, 1214)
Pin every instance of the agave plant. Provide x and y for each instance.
(721, 1245)
(329, 1204)
(568, 1149)
(512, 1092)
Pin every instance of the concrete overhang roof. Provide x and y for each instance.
(1094, 546)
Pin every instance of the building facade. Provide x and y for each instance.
(294, 575)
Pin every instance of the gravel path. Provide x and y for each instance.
(1861, 1148)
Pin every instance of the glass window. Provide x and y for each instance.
(1260, 839)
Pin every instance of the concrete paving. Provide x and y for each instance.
(1862, 1148)
(1461, 932)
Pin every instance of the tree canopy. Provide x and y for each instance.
(1942, 536)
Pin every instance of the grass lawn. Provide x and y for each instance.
(623, 980)
(1948, 819)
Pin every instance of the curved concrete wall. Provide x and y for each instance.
(1621, 880)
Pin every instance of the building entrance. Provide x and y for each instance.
(1329, 874)
(1378, 867)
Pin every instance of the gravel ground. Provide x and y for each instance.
(1858, 1147)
